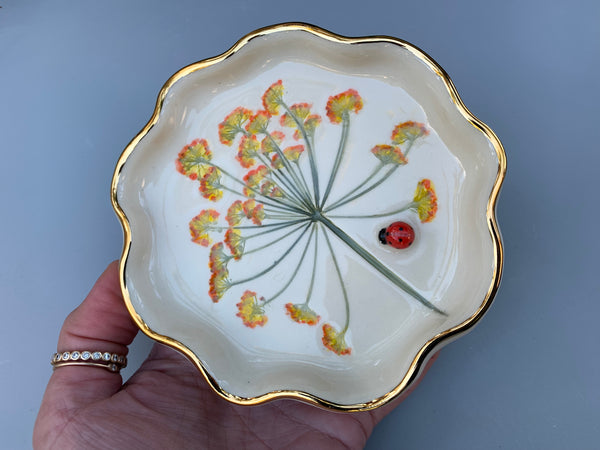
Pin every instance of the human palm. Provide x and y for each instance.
(166, 403)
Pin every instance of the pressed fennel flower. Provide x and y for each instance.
(201, 225)
(389, 154)
(335, 341)
(342, 104)
(425, 200)
(251, 311)
(235, 242)
(301, 313)
(273, 97)
(233, 124)
(193, 159)
(210, 185)
(408, 131)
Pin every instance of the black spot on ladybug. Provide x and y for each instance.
(383, 236)
(399, 235)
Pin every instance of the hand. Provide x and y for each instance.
(167, 403)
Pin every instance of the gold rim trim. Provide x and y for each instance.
(426, 351)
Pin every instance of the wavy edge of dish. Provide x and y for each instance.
(418, 363)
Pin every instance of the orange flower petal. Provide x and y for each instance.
(200, 226)
(301, 313)
(210, 185)
(233, 124)
(273, 97)
(218, 285)
(235, 213)
(342, 104)
(235, 243)
(335, 341)
(425, 200)
(250, 311)
(389, 154)
(408, 131)
(258, 123)
(192, 160)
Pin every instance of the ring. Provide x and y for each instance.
(106, 360)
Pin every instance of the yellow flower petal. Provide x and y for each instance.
(192, 160)
(342, 104)
(201, 225)
(248, 150)
(335, 341)
(235, 213)
(270, 143)
(233, 124)
(301, 313)
(425, 200)
(273, 97)
(218, 259)
(235, 243)
(218, 284)
(210, 185)
(389, 154)
(408, 131)
(250, 311)
(258, 123)
(293, 153)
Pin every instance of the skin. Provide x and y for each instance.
(167, 403)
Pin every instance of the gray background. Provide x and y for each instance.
(79, 79)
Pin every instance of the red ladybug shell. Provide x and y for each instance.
(398, 235)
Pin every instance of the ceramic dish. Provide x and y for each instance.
(310, 216)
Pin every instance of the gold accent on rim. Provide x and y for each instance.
(418, 363)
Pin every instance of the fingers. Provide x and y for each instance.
(100, 323)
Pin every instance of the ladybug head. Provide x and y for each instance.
(382, 236)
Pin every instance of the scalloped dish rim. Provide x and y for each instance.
(428, 349)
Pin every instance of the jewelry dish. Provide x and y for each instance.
(310, 216)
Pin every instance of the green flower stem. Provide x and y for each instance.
(280, 217)
(257, 192)
(365, 181)
(311, 153)
(283, 204)
(290, 169)
(377, 265)
(245, 227)
(299, 187)
(338, 157)
(345, 198)
(287, 206)
(292, 191)
(373, 216)
(272, 205)
(275, 263)
(314, 270)
(408, 147)
(267, 163)
(339, 274)
(276, 227)
(302, 178)
(295, 272)
(262, 247)
(365, 191)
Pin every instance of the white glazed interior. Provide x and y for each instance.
(452, 262)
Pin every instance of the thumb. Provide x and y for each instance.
(100, 323)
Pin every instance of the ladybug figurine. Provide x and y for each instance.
(398, 235)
